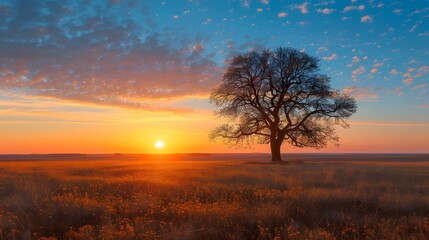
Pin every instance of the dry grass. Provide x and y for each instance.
(180, 199)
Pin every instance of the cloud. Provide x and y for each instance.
(355, 59)
(397, 11)
(408, 81)
(265, 1)
(423, 85)
(359, 70)
(352, 8)
(302, 7)
(361, 93)
(330, 58)
(366, 18)
(322, 49)
(398, 124)
(281, 14)
(393, 72)
(113, 59)
(325, 10)
(198, 47)
(419, 73)
(422, 71)
(20, 109)
(397, 91)
(374, 70)
(377, 64)
(419, 11)
(245, 3)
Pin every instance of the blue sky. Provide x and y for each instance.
(166, 56)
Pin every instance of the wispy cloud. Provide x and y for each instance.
(396, 124)
(397, 11)
(330, 58)
(413, 28)
(302, 7)
(359, 70)
(361, 93)
(366, 18)
(419, 11)
(408, 81)
(423, 34)
(410, 76)
(245, 3)
(281, 14)
(325, 10)
(19, 109)
(420, 86)
(351, 8)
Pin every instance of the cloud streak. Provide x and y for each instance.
(325, 10)
(352, 8)
(361, 93)
(396, 124)
(302, 7)
(330, 58)
(366, 18)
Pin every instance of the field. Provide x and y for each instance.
(214, 197)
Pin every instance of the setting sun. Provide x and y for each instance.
(159, 144)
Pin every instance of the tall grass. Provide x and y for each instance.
(163, 199)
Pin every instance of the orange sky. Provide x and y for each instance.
(34, 125)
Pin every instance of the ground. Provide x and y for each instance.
(199, 196)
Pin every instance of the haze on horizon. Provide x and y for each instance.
(118, 76)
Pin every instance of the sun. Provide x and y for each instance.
(159, 144)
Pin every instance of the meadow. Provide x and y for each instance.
(214, 197)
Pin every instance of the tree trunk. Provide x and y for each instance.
(275, 151)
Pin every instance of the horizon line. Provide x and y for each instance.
(199, 153)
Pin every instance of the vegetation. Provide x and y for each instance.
(178, 199)
(277, 96)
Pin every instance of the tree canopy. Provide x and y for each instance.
(270, 97)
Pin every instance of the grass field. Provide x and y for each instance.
(214, 197)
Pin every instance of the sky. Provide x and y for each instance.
(119, 75)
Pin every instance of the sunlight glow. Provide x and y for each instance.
(159, 144)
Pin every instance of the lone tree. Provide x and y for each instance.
(276, 96)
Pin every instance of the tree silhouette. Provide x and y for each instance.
(276, 96)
